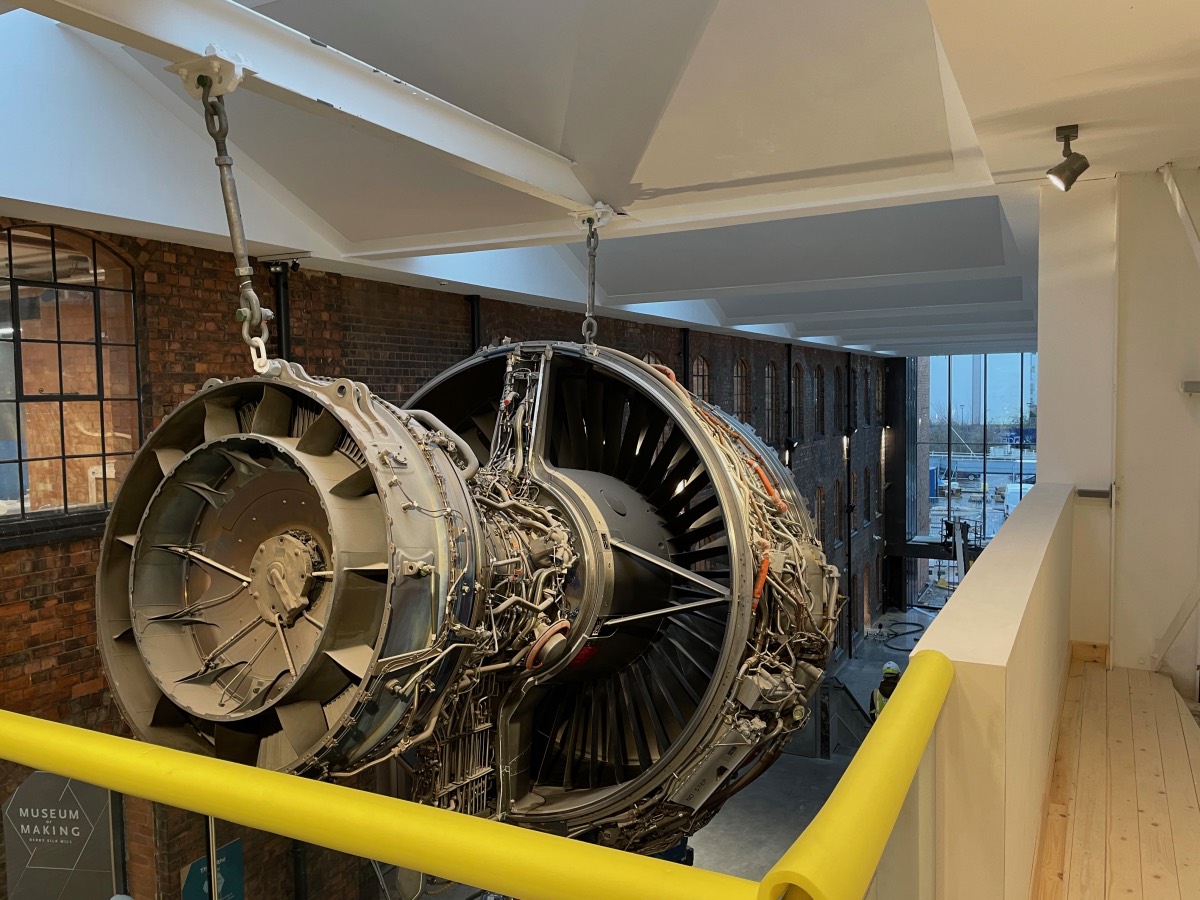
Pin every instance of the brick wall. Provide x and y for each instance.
(394, 339)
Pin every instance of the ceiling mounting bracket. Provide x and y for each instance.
(596, 217)
(224, 70)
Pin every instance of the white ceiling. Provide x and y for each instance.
(803, 170)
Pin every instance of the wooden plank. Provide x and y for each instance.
(1124, 848)
(1085, 879)
(1191, 737)
(1181, 787)
(1159, 878)
(1051, 876)
(1086, 652)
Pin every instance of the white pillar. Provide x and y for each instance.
(1077, 334)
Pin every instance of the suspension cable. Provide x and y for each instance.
(250, 312)
(590, 325)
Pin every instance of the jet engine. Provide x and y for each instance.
(555, 589)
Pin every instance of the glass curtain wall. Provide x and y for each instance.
(976, 446)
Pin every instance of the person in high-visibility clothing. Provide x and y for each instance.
(883, 693)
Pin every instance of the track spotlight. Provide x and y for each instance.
(789, 448)
(295, 265)
(1067, 172)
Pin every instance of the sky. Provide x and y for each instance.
(1003, 372)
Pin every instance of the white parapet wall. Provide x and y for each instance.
(1007, 631)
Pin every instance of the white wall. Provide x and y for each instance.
(1007, 630)
(1157, 547)
(1077, 320)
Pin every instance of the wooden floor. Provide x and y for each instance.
(1122, 818)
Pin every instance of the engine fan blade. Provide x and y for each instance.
(274, 414)
(166, 714)
(168, 458)
(303, 723)
(631, 436)
(614, 413)
(238, 745)
(357, 484)
(322, 437)
(595, 422)
(219, 420)
(354, 659)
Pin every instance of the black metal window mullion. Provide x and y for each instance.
(18, 386)
(23, 402)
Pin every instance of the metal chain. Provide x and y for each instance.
(250, 311)
(590, 325)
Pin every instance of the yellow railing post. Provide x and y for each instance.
(837, 855)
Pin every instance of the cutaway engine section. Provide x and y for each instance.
(560, 590)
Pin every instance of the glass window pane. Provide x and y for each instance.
(116, 317)
(37, 310)
(32, 253)
(120, 372)
(966, 441)
(73, 256)
(120, 426)
(81, 428)
(6, 315)
(5, 272)
(115, 468)
(79, 369)
(41, 429)
(77, 315)
(85, 483)
(1003, 437)
(1029, 456)
(39, 369)
(10, 489)
(8, 431)
(8, 374)
(933, 403)
(45, 490)
(111, 272)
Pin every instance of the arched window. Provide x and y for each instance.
(69, 420)
(866, 396)
(879, 489)
(819, 516)
(819, 405)
(853, 499)
(771, 405)
(839, 401)
(741, 390)
(796, 426)
(839, 511)
(868, 497)
(866, 595)
(852, 412)
(700, 385)
(652, 358)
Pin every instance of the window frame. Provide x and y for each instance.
(741, 390)
(771, 403)
(27, 527)
(701, 383)
(819, 396)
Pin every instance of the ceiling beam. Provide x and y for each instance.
(955, 333)
(899, 320)
(295, 69)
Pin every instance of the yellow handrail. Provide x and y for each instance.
(833, 860)
(837, 855)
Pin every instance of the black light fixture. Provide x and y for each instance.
(1067, 172)
(789, 448)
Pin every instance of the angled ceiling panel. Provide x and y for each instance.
(926, 237)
